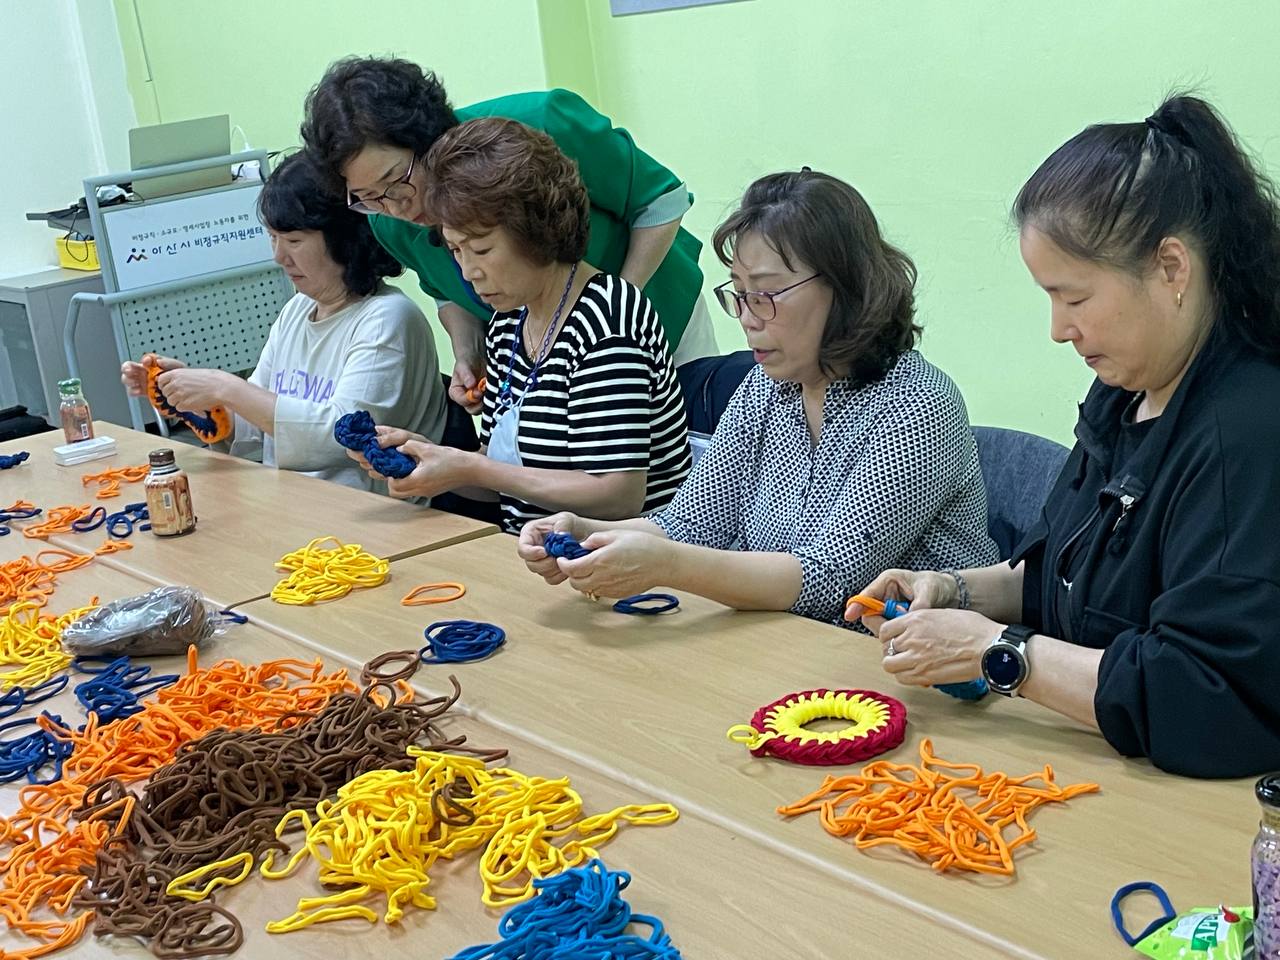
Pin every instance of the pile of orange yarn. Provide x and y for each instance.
(952, 815)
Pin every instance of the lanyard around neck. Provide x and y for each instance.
(504, 388)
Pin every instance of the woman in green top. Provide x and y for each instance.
(371, 120)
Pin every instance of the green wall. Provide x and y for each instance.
(256, 61)
(936, 110)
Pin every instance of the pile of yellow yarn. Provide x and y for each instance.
(319, 573)
(31, 641)
(387, 828)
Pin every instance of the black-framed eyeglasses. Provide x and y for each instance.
(759, 302)
(402, 189)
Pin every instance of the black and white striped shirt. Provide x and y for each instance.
(606, 399)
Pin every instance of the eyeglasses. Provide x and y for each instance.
(402, 189)
(759, 302)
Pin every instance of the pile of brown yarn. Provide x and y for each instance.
(224, 793)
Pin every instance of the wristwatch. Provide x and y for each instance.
(1004, 664)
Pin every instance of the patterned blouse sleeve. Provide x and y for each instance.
(911, 467)
(707, 509)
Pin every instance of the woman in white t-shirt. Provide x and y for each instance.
(346, 341)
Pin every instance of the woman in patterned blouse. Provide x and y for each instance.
(842, 453)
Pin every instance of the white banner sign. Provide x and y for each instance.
(179, 239)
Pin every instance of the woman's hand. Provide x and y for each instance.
(534, 533)
(439, 469)
(396, 436)
(467, 372)
(924, 648)
(196, 389)
(387, 437)
(134, 375)
(622, 563)
(924, 590)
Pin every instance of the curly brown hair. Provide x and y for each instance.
(495, 172)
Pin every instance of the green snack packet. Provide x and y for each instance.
(1204, 933)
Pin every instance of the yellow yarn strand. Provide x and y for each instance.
(242, 860)
(32, 641)
(387, 828)
(319, 573)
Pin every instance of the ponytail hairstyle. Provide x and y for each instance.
(1113, 192)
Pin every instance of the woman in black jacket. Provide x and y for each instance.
(1146, 602)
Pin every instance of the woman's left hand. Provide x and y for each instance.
(928, 647)
(195, 389)
(439, 470)
(622, 563)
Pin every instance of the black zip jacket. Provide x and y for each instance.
(1174, 563)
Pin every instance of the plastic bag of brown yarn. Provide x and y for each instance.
(160, 622)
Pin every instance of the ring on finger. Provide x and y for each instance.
(889, 651)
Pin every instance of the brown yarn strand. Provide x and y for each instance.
(224, 794)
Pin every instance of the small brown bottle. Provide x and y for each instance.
(73, 410)
(168, 496)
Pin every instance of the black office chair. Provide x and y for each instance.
(1019, 469)
(708, 384)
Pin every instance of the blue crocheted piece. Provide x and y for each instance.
(563, 545)
(9, 462)
(578, 914)
(355, 431)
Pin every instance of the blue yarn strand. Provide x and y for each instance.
(27, 755)
(460, 641)
(114, 689)
(7, 516)
(638, 605)
(15, 698)
(8, 462)
(578, 914)
(96, 518)
(121, 525)
(355, 431)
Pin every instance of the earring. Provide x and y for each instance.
(1179, 299)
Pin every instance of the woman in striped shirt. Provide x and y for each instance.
(582, 408)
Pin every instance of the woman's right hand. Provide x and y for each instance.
(467, 374)
(532, 535)
(134, 375)
(923, 589)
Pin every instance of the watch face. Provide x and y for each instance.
(1003, 667)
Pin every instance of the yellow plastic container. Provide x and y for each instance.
(78, 254)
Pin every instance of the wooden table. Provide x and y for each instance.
(720, 893)
(249, 515)
(649, 699)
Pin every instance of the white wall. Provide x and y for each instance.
(65, 112)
